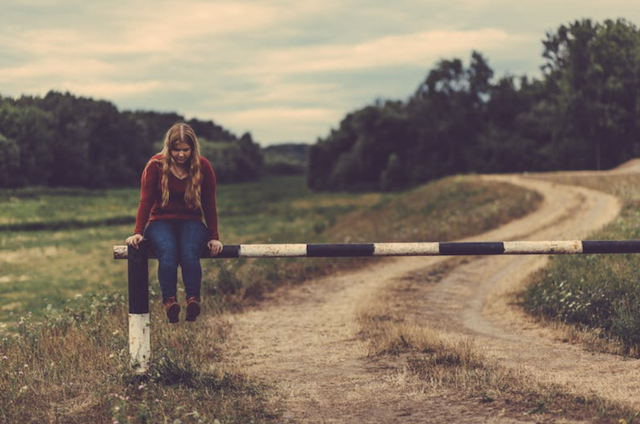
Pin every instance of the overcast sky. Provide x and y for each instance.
(284, 70)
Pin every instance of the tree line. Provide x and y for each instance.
(583, 113)
(64, 140)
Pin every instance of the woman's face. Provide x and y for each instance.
(181, 152)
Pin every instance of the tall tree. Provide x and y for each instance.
(596, 70)
(30, 128)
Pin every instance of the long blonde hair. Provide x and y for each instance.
(182, 133)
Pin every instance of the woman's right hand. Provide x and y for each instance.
(134, 240)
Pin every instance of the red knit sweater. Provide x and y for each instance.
(150, 208)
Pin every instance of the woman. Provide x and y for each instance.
(178, 190)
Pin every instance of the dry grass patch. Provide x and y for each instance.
(390, 328)
(74, 368)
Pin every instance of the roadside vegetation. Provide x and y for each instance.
(597, 295)
(63, 342)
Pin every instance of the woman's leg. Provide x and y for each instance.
(192, 240)
(164, 243)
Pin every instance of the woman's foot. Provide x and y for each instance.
(172, 308)
(193, 307)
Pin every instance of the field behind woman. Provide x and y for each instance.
(56, 243)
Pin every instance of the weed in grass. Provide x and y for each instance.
(228, 281)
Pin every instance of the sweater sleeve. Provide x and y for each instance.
(208, 198)
(148, 194)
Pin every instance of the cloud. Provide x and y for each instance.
(281, 123)
(273, 90)
(171, 26)
(56, 69)
(109, 90)
(417, 49)
(166, 28)
(276, 68)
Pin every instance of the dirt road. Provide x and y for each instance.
(304, 341)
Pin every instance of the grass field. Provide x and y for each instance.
(600, 293)
(66, 261)
(69, 254)
(64, 349)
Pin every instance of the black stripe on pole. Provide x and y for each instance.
(339, 250)
(611, 246)
(472, 248)
(228, 251)
(138, 273)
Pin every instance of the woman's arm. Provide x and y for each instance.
(148, 192)
(208, 198)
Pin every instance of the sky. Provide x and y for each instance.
(283, 70)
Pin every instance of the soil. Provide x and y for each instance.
(304, 339)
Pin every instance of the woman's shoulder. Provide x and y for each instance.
(205, 164)
(156, 159)
(154, 164)
(206, 168)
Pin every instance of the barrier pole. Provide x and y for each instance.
(139, 323)
(331, 250)
(139, 320)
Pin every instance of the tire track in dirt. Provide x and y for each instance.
(305, 342)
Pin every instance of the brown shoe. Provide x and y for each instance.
(172, 308)
(193, 307)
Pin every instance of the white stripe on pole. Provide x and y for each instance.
(406, 249)
(272, 250)
(139, 342)
(537, 247)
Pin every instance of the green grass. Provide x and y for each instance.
(52, 267)
(597, 292)
(63, 319)
(40, 208)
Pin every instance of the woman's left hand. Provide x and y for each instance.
(215, 246)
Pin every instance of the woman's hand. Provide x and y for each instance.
(134, 240)
(215, 246)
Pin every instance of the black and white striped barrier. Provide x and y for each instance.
(416, 249)
(138, 274)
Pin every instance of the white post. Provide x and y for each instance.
(139, 321)
(140, 342)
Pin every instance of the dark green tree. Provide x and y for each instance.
(66, 140)
(595, 69)
(30, 128)
(9, 162)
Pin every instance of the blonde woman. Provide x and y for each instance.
(178, 191)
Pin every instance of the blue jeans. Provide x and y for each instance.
(178, 242)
